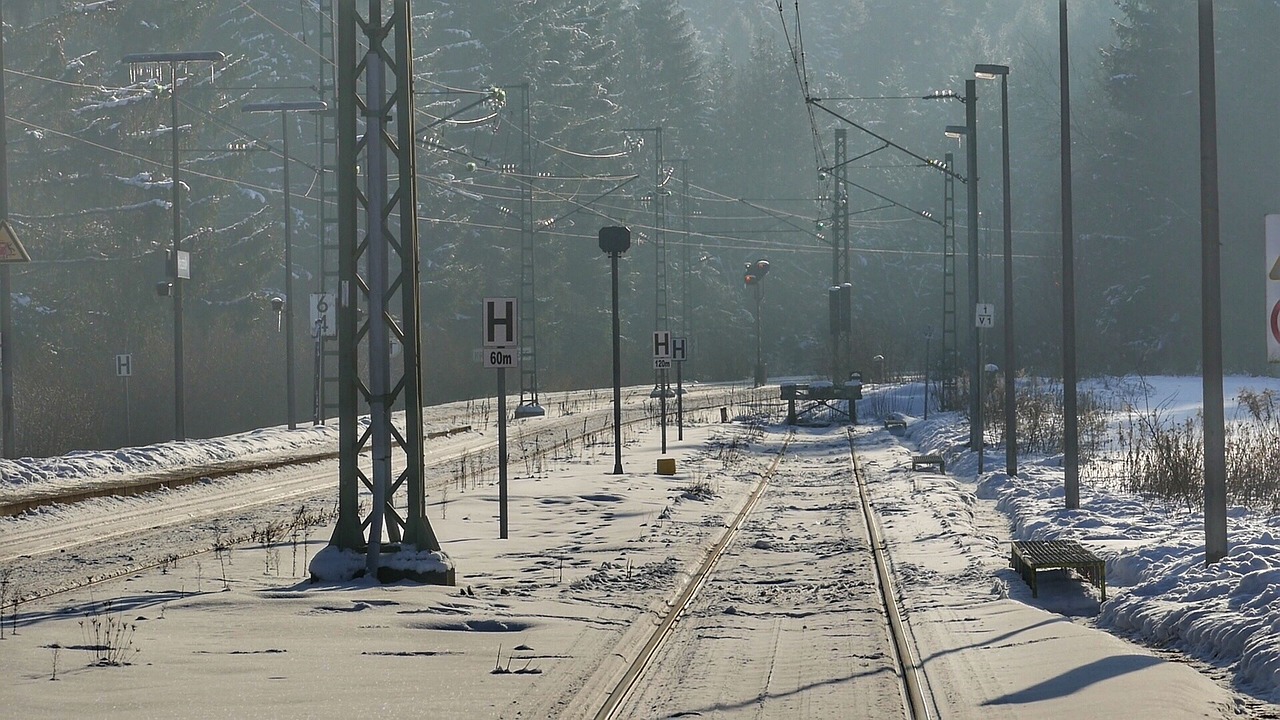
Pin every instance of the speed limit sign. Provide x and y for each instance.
(324, 316)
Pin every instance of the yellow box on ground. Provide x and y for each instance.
(666, 466)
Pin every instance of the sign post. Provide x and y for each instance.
(500, 353)
(124, 369)
(11, 251)
(678, 355)
(984, 317)
(324, 324)
(662, 362)
(1273, 288)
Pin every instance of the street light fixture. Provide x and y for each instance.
(991, 72)
(755, 272)
(969, 131)
(284, 108)
(179, 268)
(615, 240)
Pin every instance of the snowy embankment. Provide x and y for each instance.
(1226, 614)
(23, 478)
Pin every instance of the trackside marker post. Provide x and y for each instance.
(500, 352)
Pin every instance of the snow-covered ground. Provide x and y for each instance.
(1226, 616)
(242, 634)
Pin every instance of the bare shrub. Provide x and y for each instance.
(1038, 407)
(108, 637)
(1253, 452)
(1162, 458)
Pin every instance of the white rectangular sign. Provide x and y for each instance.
(1273, 287)
(662, 363)
(324, 315)
(124, 365)
(985, 315)
(661, 344)
(678, 349)
(501, 357)
(500, 316)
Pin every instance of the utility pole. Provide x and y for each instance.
(976, 430)
(1215, 464)
(661, 321)
(840, 274)
(325, 382)
(1070, 422)
(178, 265)
(6, 287)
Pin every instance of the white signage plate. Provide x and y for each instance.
(985, 315)
(499, 358)
(661, 344)
(324, 314)
(500, 318)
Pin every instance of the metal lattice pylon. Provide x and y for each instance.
(325, 362)
(840, 273)
(378, 295)
(950, 350)
(529, 406)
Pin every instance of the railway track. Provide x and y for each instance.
(637, 668)
(622, 702)
(909, 667)
(198, 497)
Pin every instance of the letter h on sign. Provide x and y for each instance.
(500, 322)
(661, 344)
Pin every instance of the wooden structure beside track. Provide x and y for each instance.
(927, 461)
(1031, 556)
(822, 394)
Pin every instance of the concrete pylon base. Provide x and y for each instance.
(397, 562)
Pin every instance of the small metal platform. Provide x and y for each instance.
(1031, 556)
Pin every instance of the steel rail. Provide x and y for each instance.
(909, 669)
(677, 609)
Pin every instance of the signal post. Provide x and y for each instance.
(500, 352)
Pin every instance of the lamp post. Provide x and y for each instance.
(615, 240)
(991, 72)
(969, 131)
(928, 336)
(1070, 425)
(284, 108)
(8, 433)
(1215, 464)
(179, 267)
(751, 278)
